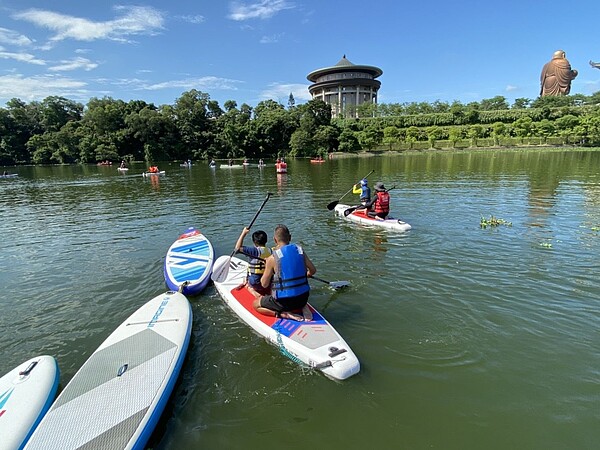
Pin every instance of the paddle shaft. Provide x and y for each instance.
(335, 202)
(254, 218)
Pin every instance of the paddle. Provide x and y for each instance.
(332, 284)
(220, 271)
(335, 202)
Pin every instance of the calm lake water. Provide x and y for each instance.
(468, 338)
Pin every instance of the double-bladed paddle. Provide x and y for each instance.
(335, 202)
(220, 271)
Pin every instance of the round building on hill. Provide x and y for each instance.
(345, 86)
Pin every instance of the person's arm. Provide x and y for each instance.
(310, 267)
(267, 276)
(240, 240)
(356, 190)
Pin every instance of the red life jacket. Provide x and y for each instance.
(382, 204)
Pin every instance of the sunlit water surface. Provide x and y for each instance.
(468, 338)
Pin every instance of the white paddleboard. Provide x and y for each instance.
(316, 343)
(359, 216)
(189, 262)
(115, 400)
(26, 393)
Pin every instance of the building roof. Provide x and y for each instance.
(344, 65)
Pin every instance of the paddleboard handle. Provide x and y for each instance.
(27, 371)
(122, 369)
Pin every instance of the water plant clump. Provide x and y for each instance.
(493, 222)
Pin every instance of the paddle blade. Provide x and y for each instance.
(339, 284)
(332, 205)
(221, 269)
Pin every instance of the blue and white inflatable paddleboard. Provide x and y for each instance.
(115, 400)
(26, 393)
(189, 262)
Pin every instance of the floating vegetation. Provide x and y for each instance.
(596, 228)
(493, 222)
(546, 244)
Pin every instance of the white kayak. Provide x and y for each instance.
(359, 216)
(26, 393)
(116, 398)
(122, 169)
(315, 344)
(233, 166)
(153, 174)
(189, 262)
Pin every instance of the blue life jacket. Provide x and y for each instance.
(290, 278)
(366, 193)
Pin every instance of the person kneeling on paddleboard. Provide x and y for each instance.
(286, 272)
(379, 206)
(257, 256)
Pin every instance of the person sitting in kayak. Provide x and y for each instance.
(379, 205)
(257, 256)
(153, 169)
(286, 272)
(364, 190)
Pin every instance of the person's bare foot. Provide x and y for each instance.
(291, 316)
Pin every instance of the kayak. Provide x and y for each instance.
(281, 167)
(122, 169)
(359, 216)
(260, 166)
(317, 161)
(9, 175)
(189, 262)
(234, 166)
(149, 174)
(315, 344)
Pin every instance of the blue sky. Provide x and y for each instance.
(249, 51)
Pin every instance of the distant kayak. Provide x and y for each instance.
(9, 175)
(359, 216)
(149, 174)
(122, 169)
(234, 166)
(317, 161)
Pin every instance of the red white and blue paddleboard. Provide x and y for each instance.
(26, 393)
(189, 262)
(315, 343)
(115, 399)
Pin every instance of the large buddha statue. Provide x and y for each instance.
(557, 75)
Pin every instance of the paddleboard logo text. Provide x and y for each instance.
(158, 313)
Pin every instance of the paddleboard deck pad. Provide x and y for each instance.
(315, 344)
(360, 216)
(26, 393)
(115, 399)
(189, 262)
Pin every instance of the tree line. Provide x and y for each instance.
(61, 131)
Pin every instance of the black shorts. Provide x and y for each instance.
(288, 304)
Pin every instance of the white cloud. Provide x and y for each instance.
(511, 88)
(13, 38)
(203, 83)
(74, 64)
(263, 9)
(192, 19)
(134, 20)
(40, 87)
(22, 57)
(281, 92)
(273, 39)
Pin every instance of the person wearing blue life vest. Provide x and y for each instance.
(257, 256)
(286, 271)
(364, 190)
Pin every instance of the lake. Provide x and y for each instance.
(468, 337)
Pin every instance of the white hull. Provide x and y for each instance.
(389, 223)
